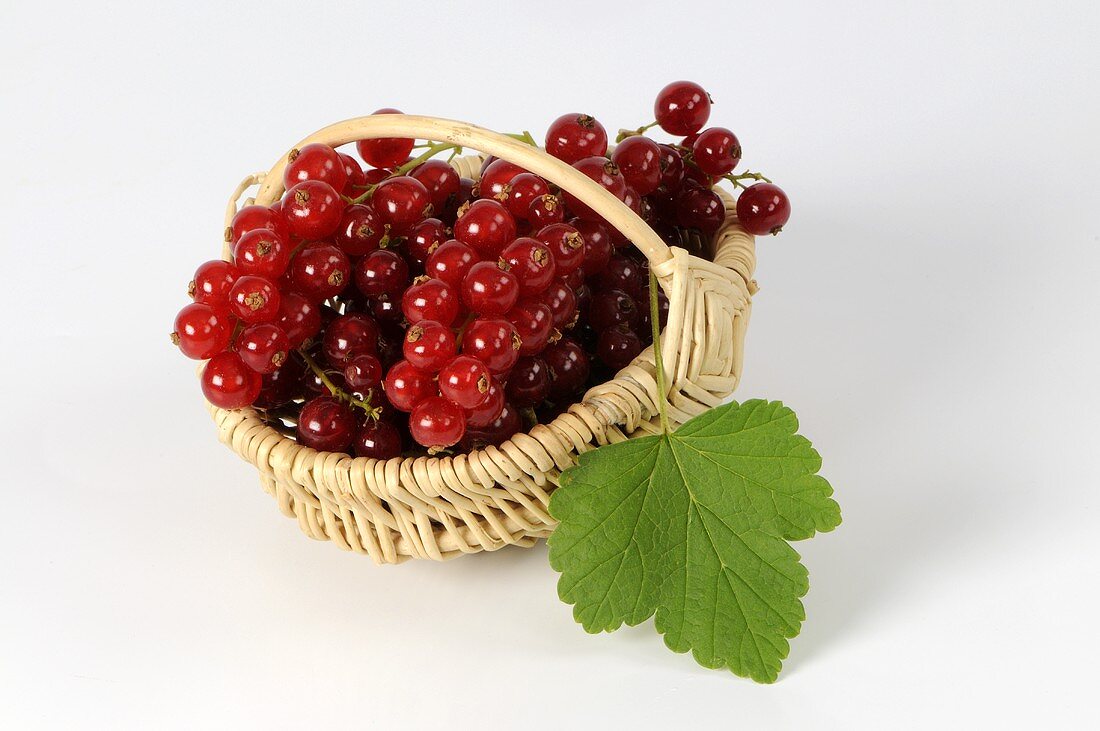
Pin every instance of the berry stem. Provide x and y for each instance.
(624, 133)
(428, 154)
(372, 411)
(736, 179)
(658, 358)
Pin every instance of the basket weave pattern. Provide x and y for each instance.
(442, 507)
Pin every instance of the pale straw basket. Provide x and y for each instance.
(442, 507)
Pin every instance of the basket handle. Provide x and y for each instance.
(529, 157)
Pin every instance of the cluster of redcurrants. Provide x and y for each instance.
(367, 305)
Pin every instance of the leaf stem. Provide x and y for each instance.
(624, 133)
(658, 358)
(736, 179)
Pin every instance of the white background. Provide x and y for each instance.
(930, 313)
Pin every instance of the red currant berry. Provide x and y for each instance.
(430, 299)
(405, 386)
(384, 308)
(639, 160)
(377, 440)
(212, 283)
(528, 383)
(565, 243)
(531, 262)
(672, 168)
(299, 318)
(489, 410)
(545, 210)
(228, 383)
(572, 137)
(696, 178)
(763, 209)
(534, 322)
(429, 346)
(261, 252)
(716, 151)
(319, 271)
(385, 152)
(562, 302)
(437, 423)
(622, 273)
(486, 226)
(360, 230)
(604, 172)
(282, 386)
(312, 209)
(401, 202)
(251, 218)
(263, 347)
(464, 195)
(489, 288)
(465, 381)
(357, 180)
(450, 262)
(381, 272)
(440, 179)
(326, 424)
(611, 307)
(597, 245)
(496, 179)
(618, 346)
(525, 188)
(254, 299)
(363, 373)
(700, 208)
(425, 237)
(202, 331)
(500, 430)
(315, 162)
(494, 342)
(682, 108)
(568, 367)
(349, 335)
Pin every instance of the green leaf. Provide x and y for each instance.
(693, 527)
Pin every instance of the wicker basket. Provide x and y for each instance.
(441, 507)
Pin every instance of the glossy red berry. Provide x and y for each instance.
(385, 152)
(282, 386)
(496, 180)
(326, 424)
(682, 108)
(202, 331)
(489, 288)
(565, 243)
(716, 151)
(261, 252)
(353, 171)
(377, 440)
(428, 346)
(597, 245)
(319, 271)
(639, 161)
(430, 299)
(534, 322)
(763, 209)
(618, 346)
(299, 318)
(312, 209)
(360, 230)
(562, 302)
(315, 162)
(228, 383)
(253, 217)
(381, 272)
(531, 262)
(212, 282)
(568, 366)
(349, 335)
(424, 238)
(263, 347)
(363, 372)
(486, 226)
(672, 168)
(545, 210)
(440, 180)
(524, 189)
(437, 423)
(400, 202)
(498, 431)
(405, 386)
(700, 208)
(493, 341)
(572, 137)
(622, 273)
(254, 299)
(528, 383)
(489, 410)
(465, 381)
(606, 174)
(611, 307)
(450, 262)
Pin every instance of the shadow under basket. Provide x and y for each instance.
(442, 507)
